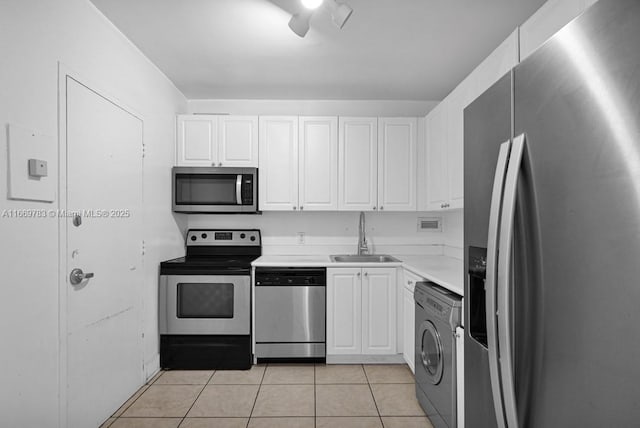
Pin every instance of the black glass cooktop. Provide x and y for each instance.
(207, 266)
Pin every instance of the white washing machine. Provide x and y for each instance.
(438, 313)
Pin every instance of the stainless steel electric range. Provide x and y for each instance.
(205, 301)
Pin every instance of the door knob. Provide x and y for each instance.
(77, 276)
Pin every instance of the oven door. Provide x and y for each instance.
(205, 304)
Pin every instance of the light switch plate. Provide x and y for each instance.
(26, 145)
(37, 168)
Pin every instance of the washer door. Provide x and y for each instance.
(431, 354)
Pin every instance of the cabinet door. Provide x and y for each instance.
(196, 143)
(278, 163)
(459, 98)
(437, 189)
(409, 328)
(318, 166)
(397, 164)
(379, 311)
(344, 311)
(548, 20)
(238, 141)
(358, 164)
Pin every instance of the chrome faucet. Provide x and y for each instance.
(363, 249)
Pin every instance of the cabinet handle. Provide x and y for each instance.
(381, 208)
(295, 208)
(220, 164)
(375, 208)
(409, 282)
(301, 207)
(366, 274)
(213, 164)
(358, 274)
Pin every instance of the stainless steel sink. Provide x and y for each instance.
(370, 258)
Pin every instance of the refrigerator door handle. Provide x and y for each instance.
(490, 282)
(504, 288)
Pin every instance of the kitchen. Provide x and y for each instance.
(63, 53)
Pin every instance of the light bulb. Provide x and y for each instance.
(311, 4)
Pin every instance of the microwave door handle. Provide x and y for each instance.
(505, 287)
(239, 189)
(493, 343)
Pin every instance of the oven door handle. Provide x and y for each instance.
(239, 189)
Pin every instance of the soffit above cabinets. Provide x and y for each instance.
(389, 49)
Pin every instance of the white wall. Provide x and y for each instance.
(313, 107)
(452, 233)
(34, 36)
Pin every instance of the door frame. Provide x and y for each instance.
(65, 72)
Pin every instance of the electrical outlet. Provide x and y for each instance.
(300, 237)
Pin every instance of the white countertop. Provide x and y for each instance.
(445, 271)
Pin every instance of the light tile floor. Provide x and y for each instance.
(276, 396)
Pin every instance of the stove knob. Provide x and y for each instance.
(242, 236)
(193, 237)
(253, 238)
(204, 236)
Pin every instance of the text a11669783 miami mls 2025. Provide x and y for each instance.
(60, 213)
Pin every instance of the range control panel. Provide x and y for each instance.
(223, 237)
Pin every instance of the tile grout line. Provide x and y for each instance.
(264, 373)
(372, 395)
(315, 399)
(194, 401)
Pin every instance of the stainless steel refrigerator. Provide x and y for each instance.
(552, 232)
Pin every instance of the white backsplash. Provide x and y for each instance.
(331, 232)
(453, 233)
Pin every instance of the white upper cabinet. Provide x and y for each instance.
(211, 140)
(238, 143)
(397, 164)
(358, 163)
(436, 158)
(318, 165)
(278, 166)
(459, 98)
(548, 20)
(197, 141)
(445, 128)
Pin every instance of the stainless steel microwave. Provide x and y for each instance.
(215, 190)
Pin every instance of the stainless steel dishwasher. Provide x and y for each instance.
(290, 313)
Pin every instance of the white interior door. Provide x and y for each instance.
(103, 313)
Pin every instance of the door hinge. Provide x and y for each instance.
(143, 247)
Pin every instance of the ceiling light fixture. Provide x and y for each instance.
(340, 12)
(312, 4)
(300, 22)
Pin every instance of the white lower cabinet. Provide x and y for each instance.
(409, 317)
(361, 311)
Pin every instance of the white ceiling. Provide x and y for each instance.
(388, 50)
